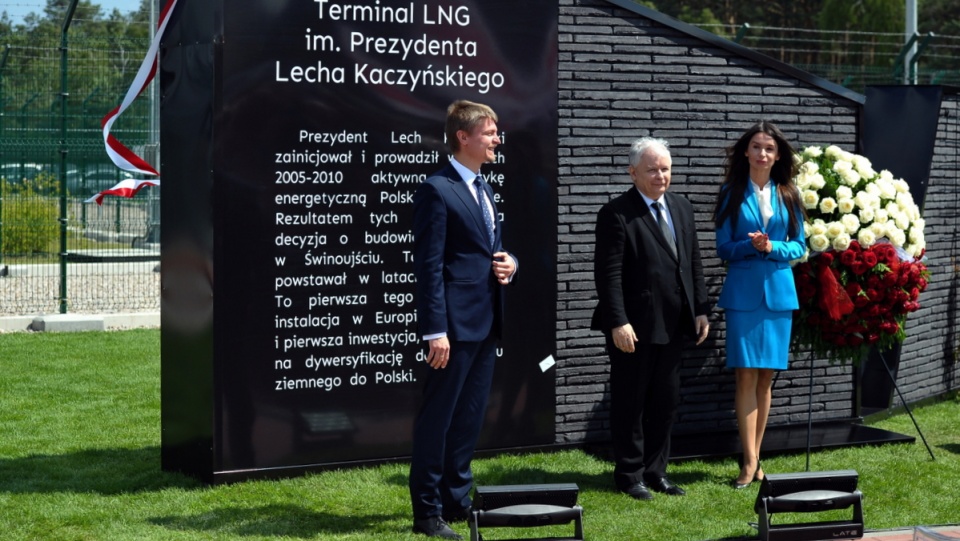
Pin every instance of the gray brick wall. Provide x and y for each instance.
(928, 365)
(625, 73)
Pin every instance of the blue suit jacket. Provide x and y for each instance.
(457, 292)
(753, 277)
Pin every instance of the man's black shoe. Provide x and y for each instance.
(664, 485)
(638, 491)
(435, 527)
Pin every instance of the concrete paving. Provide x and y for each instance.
(949, 532)
(919, 533)
(79, 322)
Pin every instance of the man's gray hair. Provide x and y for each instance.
(642, 145)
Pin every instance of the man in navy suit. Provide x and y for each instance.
(460, 266)
(652, 296)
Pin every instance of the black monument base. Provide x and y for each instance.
(780, 439)
(784, 439)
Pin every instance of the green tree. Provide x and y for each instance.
(942, 17)
(856, 46)
(56, 10)
(773, 20)
(104, 53)
(702, 16)
(29, 216)
(863, 15)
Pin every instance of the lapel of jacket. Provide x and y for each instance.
(779, 219)
(753, 206)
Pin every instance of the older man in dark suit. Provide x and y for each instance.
(652, 296)
(460, 266)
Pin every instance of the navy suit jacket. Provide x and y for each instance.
(457, 292)
(639, 279)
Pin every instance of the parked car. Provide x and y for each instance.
(94, 178)
(82, 181)
(16, 174)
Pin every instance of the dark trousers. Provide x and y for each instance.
(447, 427)
(644, 395)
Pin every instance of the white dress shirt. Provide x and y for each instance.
(765, 199)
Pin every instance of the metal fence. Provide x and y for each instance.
(57, 253)
(855, 59)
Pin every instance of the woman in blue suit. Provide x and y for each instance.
(759, 222)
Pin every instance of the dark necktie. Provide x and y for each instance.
(484, 210)
(664, 228)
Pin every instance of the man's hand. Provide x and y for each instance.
(624, 338)
(503, 267)
(703, 327)
(439, 352)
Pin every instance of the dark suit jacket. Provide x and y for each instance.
(637, 275)
(457, 292)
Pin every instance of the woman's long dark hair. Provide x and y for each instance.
(737, 176)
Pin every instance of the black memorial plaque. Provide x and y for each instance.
(326, 117)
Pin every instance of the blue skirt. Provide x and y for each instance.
(758, 338)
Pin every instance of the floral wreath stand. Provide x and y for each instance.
(863, 269)
(893, 380)
(903, 401)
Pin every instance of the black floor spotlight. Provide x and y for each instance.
(525, 506)
(809, 492)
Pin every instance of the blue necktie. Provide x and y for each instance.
(664, 227)
(484, 210)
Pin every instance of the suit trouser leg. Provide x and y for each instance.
(447, 428)
(465, 429)
(663, 398)
(644, 393)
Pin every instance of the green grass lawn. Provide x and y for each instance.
(80, 460)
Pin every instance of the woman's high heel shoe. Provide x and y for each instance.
(759, 475)
(738, 485)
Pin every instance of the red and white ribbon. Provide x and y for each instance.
(120, 155)
(126, 188)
